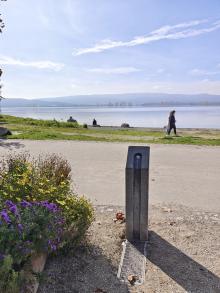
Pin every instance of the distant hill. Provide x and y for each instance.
(33, 103)
(142, 99)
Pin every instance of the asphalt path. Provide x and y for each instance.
(180, 174)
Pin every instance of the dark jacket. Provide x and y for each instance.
(172, 120)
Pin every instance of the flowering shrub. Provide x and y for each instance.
(45, 179)
(78, 214)
(27, 227)
(40, 179)
(38, 212)
(10, 280)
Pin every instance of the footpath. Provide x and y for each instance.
(179, 174)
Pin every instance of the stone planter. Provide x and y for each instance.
(37, 263)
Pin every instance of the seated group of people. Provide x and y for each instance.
(94, 122)
(71, 119)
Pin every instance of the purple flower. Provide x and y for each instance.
(25, 204)
(12, 207)
(52, 246)
(14, 210)
(50, 206)
(20, 227)
(9, 203)
(5, 216)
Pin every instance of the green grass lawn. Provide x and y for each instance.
(27, 128)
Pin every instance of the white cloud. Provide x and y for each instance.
(114, 70)
(46, 64)
(202, 72)
(171, 32)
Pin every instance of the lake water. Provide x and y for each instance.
(186, 117)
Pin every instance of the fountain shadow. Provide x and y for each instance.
(185, 271)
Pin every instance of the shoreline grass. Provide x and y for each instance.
(34, 129)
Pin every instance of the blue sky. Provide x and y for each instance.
(55, 48)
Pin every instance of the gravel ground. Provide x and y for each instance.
(183, 255)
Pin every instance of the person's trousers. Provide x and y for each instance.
(170, 128)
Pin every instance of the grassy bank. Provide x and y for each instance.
(27, 128)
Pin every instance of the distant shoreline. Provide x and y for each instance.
(111, 106)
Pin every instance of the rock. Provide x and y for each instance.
(4, 131)
(179, 218)
(109, 210)
(167, 210)
(125, 125)
(172, 223)
(132, 279)
(189, 235)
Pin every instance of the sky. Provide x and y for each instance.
(54, 48)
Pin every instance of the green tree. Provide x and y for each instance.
(2, 25)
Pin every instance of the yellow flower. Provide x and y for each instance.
(61, 202)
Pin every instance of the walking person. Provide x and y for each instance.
(171, 122)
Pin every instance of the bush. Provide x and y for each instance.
(44, 179)
(9, 279)
(27, 228)
(38, 213)
(78, 214)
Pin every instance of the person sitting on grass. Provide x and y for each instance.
(71, 119)
(171, 123)
(94, 123)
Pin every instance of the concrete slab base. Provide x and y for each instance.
(133, 262)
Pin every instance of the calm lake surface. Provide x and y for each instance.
(186, 117)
